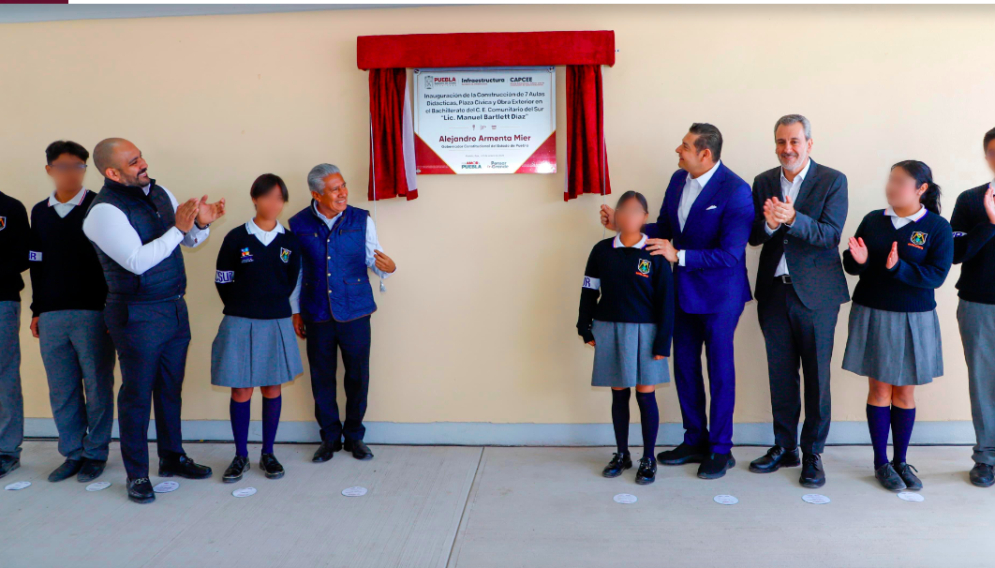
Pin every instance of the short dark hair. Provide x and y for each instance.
(708, 137)
(989, 136)
(930, 199)
(60, 147)
(630, 195)
(266, 183)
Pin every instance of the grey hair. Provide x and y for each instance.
(789, 119)
(316, 177)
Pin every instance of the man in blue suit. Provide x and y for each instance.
(703, 228)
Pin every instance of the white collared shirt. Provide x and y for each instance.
(692, 189)
(63, 209)
(899, 222)
(265, 237)
(108, 227)
(789, 189)
(617, 243)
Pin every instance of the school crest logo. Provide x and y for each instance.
(918, 238)
(284, 255)
(643, 267)
(3, 223)
(246, 255)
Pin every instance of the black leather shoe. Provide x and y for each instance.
(620, 462)
(775, 458)
(183, 466)
(236, 470)
(646, 473)
(8, 464)
(911, 480)
(140, 490)
(889, 478)
(813, 475)
(982, 475)
(682, 454)
(359, 450)
(68, 469)
(715, 466)
(92, 469)
(326, 451)
(270, 466)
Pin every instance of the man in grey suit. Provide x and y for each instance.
(800, 208)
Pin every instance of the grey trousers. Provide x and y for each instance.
(11, 401)
(977, 332)
(79, 360)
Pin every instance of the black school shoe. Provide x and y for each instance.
(68, 469)
(359, 450)
(8, 464)
(620, 462)
(813, 475)
(183, 466)
(271, 466)
(715, 465)
(982, 475)
(775, 458)
(647, 471)
(140, 490)
(92, 469)
(905, 471)
(889, 478)
(326, 451)
(236, 470)
(682, 454)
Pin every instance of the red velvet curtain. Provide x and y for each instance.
(587, 160)
(392, 152)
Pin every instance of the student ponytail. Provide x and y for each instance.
(930, 199)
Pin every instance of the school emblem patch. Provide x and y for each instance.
(918, 238)
(3, 223)
(246, 255)
(643, 267)
(284, 255)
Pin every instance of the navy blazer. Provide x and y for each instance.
(714, 239)
(811, 244)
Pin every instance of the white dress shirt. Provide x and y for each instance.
(788, 189)
(108, 228)
(692, 189)
(899, 222)
(63, 209)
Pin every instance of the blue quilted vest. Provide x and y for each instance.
(151, 216)
(336, 284)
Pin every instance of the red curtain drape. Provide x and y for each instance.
(392, 152)
(587, 160)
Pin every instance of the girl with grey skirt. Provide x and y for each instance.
(257, 274)
(627, 314)
(901, 254)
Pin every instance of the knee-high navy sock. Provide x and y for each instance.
(902, 421)
(879, 423)
(271, 419)
(649, 417)
(620, 418)
(240, 426)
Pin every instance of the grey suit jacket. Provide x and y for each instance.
(811, 244)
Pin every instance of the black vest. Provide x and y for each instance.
(151, 216)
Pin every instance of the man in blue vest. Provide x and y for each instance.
(338, 244)
(136, 227)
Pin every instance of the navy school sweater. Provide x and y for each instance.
(628, 285)
(974, 247)
(925, 253)
(14, 236)
(256, 280)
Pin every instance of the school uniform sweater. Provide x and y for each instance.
(256, 280)
(628, 285)
(14, 237)
(974, 247)
(925, 253)
(65, 271)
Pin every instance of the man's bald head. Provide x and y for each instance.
(119, 160)
(103, 154)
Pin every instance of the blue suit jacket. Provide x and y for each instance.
(715, 234)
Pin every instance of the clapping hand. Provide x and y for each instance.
(207, 213)
(858, 250)
(783, 211)
(892, 257)
(186, 213)
(772, 221)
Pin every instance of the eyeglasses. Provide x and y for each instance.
(65, 168)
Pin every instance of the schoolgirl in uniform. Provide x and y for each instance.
(257, 273)
(902, 254)
(627, 314)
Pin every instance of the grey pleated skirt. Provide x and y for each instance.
(898, 348)
(254, 353)
(623, 355)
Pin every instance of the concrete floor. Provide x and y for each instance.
(498, 507)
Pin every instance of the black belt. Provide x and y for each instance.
(784, 279)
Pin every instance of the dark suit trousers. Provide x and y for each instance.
(151, 342)
(323, 341)
(796, 335)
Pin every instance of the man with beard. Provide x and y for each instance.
(136, 227)
(800, 207)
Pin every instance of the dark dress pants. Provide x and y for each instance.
(324, 339)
